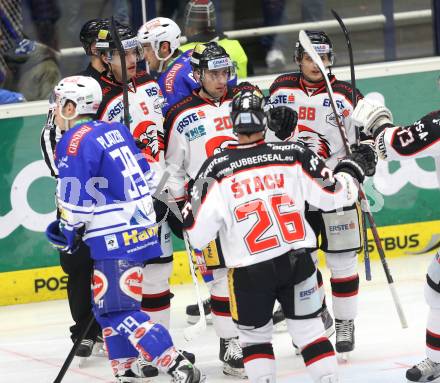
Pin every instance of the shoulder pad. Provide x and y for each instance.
(286, 80)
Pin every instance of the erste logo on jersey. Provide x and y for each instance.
(283, 99)
(189, 119)
(131, 283)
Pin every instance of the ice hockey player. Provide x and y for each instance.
(146, 125)
(254, 195)
(88, 36)
(196, 128)
(317, 129)
(104, 190)
(160, 38)
(420, 139)
(78, 268)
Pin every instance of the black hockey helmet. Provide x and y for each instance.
(129, 40)
(247, 111)
(89, 33)
(320, 41)
(210, 56)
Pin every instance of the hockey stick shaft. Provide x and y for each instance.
(308, 47)
(354, 101)
(72, 352)
(121, 51)
(190, 332)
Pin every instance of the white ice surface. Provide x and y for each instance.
(34, 338)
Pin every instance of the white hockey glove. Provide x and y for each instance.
(371, 116)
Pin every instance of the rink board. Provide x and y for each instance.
(404, 196)
(49, 283)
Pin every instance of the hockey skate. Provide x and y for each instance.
(194, 314)
(425, 371)
(344, 337)
(99, 349)
(142, 368)
(184, 372)
(84, 351)
(145, 369)
(130, 377)
(231, 355)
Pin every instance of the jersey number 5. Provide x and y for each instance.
(289, 223)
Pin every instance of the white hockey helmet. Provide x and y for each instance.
(157, 31)
(84, 91)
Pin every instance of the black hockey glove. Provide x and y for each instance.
(282, 121)
(362, 161)
(367, 150)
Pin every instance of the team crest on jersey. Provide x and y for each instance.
(331, 119)
(218, 144)
(131, 283)
(100, 285)
(152, 140)
(314, 141)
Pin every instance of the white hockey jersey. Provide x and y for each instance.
(420, 139)
(317, 127)
(255, 200)
(195, 129)
(146, 119)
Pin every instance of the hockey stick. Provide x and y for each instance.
(353, 99)
(72, 352)
(308, 47)
(121, 51)
(192, 331)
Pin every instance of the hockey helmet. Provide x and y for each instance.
(200, 14)
(106, 44)
(320, 41)
(247, 111)
(84, 92)
(157, 31)
(210, 56)
(89, 33)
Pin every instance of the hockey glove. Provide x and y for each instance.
(61, 239)
(282, 121)
(372, 117)
(367, 150)
(350, 166)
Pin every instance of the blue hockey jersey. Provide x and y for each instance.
(177, 82)
(105, 184)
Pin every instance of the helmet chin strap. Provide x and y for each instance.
(67, 119)
(162, 61)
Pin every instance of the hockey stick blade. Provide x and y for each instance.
(308, 47)
(196, 329)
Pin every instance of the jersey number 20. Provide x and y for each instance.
(289, 222)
